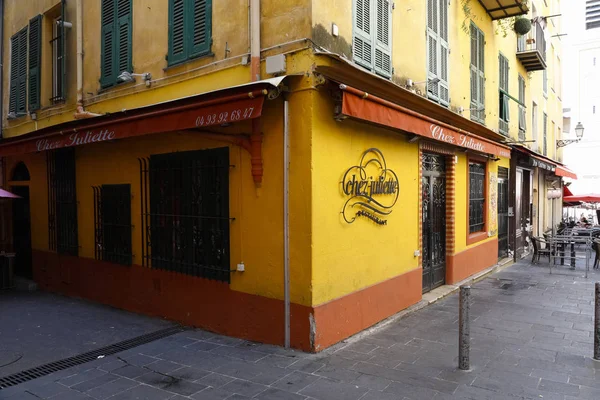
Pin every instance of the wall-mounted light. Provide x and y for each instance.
(410, 83)
(127, 76)
(578, 134)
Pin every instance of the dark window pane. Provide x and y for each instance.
(476, 197)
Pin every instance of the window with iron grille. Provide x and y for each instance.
(190, 29)
(112, 220)
(477, 75)
(476, 196)
(372, 35)
(545, 128)
(59, 58)
(504, 103)
(437, 51)
(522, 114)
(115, 40)
(62, 201)
(185, 212)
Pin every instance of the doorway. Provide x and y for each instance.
(22, 232)
(523, 211)
(434, 220)
(502, 212)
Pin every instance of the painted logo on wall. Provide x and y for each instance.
(373, 189)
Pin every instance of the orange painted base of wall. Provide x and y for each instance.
(471, 261)
(346, 316)
(186, 299)
(215, 307)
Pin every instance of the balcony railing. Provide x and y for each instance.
(531, 48)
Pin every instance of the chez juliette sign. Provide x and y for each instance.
(373, 189)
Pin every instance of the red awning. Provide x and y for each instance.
(567, 191)
(537, 160)
(366, 107)
(586, 198)
(209, 109)
(561, 170)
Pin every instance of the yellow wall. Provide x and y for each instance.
(348, 257)
(282, 22)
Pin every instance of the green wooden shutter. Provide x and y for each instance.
(474, 75)
(200, 14)
(432, 49)
(14, 75)
(22, 71)
(177, 34)
(444, 88)
(481, 56)
(383, 39)
(363, 44)
(108, 56)
(123, 37)
(62, 54)
(35, 59)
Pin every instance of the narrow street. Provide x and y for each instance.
(531, 339)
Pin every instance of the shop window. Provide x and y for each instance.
(437, 51)
(477, 75)
(372, 38)
(115, 40)
(504, 103)
(476, 196)
(112, 221)
(190, 29)
(185, 208)
(62, 201)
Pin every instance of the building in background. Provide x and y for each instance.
(582, 91)
(289, 172)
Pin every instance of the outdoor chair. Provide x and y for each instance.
(596, 247)
(538, 250)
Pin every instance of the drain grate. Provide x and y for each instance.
(46, 369)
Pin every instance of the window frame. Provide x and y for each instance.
(110, 78)
(18, 82)
(188, 34)
(370, 38)
(504, 99)
(478, 104)
(438, 35)
(474, 237)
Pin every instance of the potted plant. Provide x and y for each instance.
(522, 26)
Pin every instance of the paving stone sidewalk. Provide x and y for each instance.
(531, 339)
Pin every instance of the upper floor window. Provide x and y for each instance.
(372, 39)
(437, 51)
(477, 75)
(477, 172)
(25, 60)
(115, 40)
(504, 103)
(190, 29)
(522, 117)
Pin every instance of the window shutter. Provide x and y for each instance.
(108, 56)
(383, 49)
(177, 36)
(444, 92)
(201, 21)
(62, 52)
(481, 45)
(123, 41)
(474, 75)
(22, 71)
(432, 61)
(363, 46)
(14, 73)
(35, 55)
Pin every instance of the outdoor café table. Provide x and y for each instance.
(559, 245)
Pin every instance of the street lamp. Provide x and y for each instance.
(578, 133)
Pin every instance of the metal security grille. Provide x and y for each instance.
(476, 197)
(62, 201)
(112, 221)
(502, 212)
(185, 212)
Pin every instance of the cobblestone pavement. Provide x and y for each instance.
(531, 339)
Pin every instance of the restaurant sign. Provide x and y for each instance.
(372, 187)
(534, 162)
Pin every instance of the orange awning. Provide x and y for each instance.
(366, 107)
(561, 170)
(221, 107)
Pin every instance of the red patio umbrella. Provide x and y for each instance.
(586, 198)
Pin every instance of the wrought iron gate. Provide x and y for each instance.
(502, 212)
(434, 221)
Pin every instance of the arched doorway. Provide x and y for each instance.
(21, 221)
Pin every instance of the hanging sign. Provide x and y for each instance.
(372, 187)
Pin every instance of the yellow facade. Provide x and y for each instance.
(329, 259)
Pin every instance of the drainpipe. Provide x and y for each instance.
(255, 37)
(80, 113)
(1, 69)
(286, 219)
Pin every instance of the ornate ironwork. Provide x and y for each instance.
(185, 212)
(476, 197)
(434, 220)
(566, 142)
(112, 221)
(62, 201)
(373, 189)
(502, 212)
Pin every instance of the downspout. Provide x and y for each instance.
(1, 69)
(80, 113)
(286, 219)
